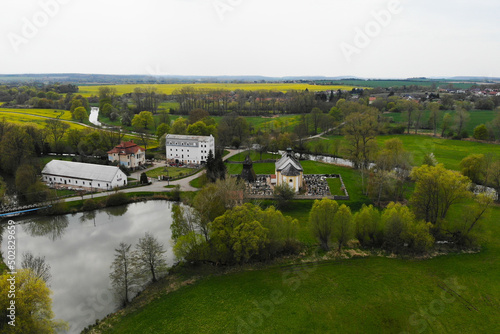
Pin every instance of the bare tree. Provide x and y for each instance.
(122, 278)
(38, 266)
(148, 257)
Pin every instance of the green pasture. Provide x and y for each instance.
(169, 171)
(476, 117)
(455, 293)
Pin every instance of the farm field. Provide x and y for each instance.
(170, 88)
(31, 119)
(452, 293)
(477, 117)
(52, 113)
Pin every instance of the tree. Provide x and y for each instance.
(494, 177)
(436, 189)
(463, 230)
(16, 148)
(162, 129)
(321, 220)
(122, 273)
(474, 167)
(368, 229)
(445, 126)
(360, 131)
(216, 169)
(197, 115)
(434, 116)
(144, 178)
(481, 132)
(283, 194)
(315, 115)
(213, 200)
(39, 267)
(33, 308)
(342, 227)
(148, 257)
(200, 129)
(461, 119)
(179, 126)
(80, 114)
(56, 129)
(143, 120)
(26, 176)
(182, 221)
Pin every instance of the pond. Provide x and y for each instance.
(80, 249)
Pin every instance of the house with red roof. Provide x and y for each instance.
(128, 154)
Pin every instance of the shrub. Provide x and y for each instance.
(481, 132)
(117, 199)
(89, 205)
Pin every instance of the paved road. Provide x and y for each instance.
(156, 186)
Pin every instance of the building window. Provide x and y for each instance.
(84, 182)
(98, 184)
(76, 182)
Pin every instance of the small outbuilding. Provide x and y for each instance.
(83, 175)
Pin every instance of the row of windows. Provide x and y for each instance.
(69, 181)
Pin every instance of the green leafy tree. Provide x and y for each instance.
(481, 132)
(143, 120)
(436, 189)
(161, 130)
(80, 114)
(56, 129)
(283, 195)
(445, 126)
(197, 115)
(343, 228)
(474, 167)
(321, 220)
(179, 126)
(33, 308)
(368, 229)
(16, 148)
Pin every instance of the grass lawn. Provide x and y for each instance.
(457, 293)
(172, 171)
(254, 155)
(199, 182)
(335, 185)
(447, 151)
(476, 117)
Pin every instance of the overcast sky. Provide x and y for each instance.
(409, 38)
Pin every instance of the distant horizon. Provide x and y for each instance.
(286, 77)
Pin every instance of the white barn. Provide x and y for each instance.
(189, 149)
(82, 175)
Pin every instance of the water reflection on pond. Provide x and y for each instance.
(80, 249)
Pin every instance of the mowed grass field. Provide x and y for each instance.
(476, 117)
(447, 151)
(456, 293)
(170, 88)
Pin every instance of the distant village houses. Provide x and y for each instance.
(82, 175)
(188, 149)
(128, 154)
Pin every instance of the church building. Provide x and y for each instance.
(289, 171)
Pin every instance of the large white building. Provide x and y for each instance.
(82, 175)
(189, 149)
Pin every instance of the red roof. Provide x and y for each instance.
(126, 147)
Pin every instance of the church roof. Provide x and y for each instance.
(290, 170)
(288, 159)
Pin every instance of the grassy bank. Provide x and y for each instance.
(453, 293)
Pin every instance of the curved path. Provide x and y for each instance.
(157, 186)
